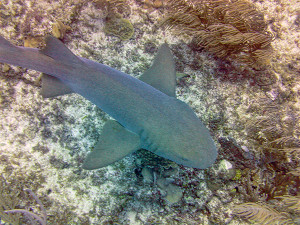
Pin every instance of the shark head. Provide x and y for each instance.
(182, 138)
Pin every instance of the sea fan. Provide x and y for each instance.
(296, 172)
(292, 202)
(234, 29)
(261, 214)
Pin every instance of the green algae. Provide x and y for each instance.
(119, 27)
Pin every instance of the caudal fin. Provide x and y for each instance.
(12, 54)
(40, 60)
(58, 51)
(55, 59)
(6, 48)
(5, 44)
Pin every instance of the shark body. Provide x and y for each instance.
(146, 110)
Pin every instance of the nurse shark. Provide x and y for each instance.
(146, 113)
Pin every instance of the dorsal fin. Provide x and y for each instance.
(58, 51)
(161, 75)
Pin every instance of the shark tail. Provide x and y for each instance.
(6, 50)
(5, 43)
(53, 60)
(19, 56)
(54, 55)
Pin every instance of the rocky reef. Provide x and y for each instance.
(251, 112)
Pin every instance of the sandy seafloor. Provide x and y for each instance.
(43, 142)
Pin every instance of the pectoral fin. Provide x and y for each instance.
(161, 75)
(114, 144)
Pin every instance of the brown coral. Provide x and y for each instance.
(114, 6)
(292, 202)
(229, 29)
(261, 214)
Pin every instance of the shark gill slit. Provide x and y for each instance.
(151, 146)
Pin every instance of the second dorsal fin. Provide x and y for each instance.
(58, 51)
